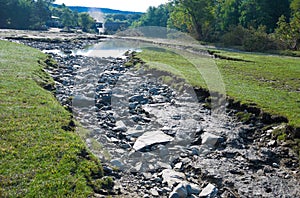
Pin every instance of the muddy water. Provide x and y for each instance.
(162, 141)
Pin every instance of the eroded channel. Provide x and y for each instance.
(157, 141)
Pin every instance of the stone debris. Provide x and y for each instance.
(161, 142)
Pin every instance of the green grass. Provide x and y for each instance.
(270, 82)
(38, 156)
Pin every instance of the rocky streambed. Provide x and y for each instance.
(157, 141)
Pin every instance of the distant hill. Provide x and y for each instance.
(103, 10)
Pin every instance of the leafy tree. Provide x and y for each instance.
(289, 33)
(295, 6)
(86, 22)
(255, 13)
(155, 16)
(227, 13)
(197, 15)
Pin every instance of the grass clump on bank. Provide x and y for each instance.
(40, 154)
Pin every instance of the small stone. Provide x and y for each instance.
(171, 176)
(178, 166)
(154, 192)
(272, 143)
(275, 165)
(139, 128)
(117, 163)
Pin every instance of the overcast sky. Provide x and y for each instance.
(126, 5)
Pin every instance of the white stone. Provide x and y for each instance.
(209, 191)
(150, 138)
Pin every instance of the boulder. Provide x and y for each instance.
(209, 139)
(181, 190)
(150, 138)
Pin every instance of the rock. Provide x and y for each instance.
(139, 127)
(154, 192)
(120, 127)
(150, 138)
(117, 163)
(209, 191)
(209, 139)
(192, 189)
(195, 150)
(138, 98)
(83, 101)
(181, 190)
(171, 176)
(272, 143)
(174, 195)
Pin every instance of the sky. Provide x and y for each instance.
(125, 5)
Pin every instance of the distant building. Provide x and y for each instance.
(113, 27)
(54, 22)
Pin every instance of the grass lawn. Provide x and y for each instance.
(39, 155)
(270, 82)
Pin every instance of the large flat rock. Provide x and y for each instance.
(150, 138)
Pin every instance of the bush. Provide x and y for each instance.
(259, 40)
(250, 39)
(235, 36)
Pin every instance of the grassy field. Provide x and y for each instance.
(40, 154)
(270, 82)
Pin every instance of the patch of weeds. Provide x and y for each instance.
(279, 133)
(244, 117)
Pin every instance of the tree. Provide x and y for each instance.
(86, 22)
(227, 12)
(255, 13)
(289, 33)
(295, 6)
(196, 15)
(40, 13)
(155, 16)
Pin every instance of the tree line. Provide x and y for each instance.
(36, 14)
(257, 25)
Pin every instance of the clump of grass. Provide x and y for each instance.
(244, 117)
(40, 154)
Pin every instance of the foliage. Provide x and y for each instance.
(295, 6)
(289, 32)
(258, 40)
(234, 22)
(198, 15)
(72, 19)
(235, 36)
(24, 14)
(228, 13)
(39, 157)
(155, 16)
(28, 14)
